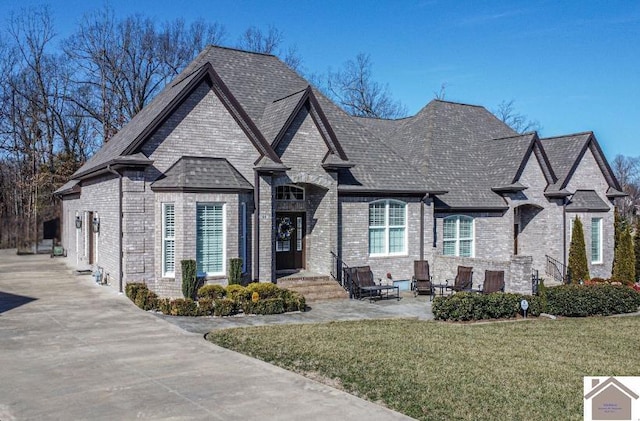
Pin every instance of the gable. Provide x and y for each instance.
(534, 178)
(201, 126)
(302, 146)
(587, 175)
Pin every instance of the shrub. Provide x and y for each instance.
(224, 307)
(590, 300)
(184, 307)
(578, 266)
(212, 292)
(624, 268)
(164, 305)
(189, 279)
(146, 299)
(265, 289)
(205, 307)
(293, 301)
(131, 290)
(238, 293)
(235, 271)
(464, 306)
(266, 306)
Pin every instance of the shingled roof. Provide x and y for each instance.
(587, 201)
(196, 173)
(460, 149)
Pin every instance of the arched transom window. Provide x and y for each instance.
(458, 236)
(387, 228)
(289, 192)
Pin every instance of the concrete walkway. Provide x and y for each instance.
(319, 312)
(72, 350)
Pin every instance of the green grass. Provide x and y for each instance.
(433, 371)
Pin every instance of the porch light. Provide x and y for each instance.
(78, 222)
(96, 223)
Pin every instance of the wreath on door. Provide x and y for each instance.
(285, 228)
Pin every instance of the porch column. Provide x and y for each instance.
(264, 229)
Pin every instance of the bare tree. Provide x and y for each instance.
(507, 113)
(442, 92)
(254, 39)
(627, 171)
(354, 89)
(123, 64)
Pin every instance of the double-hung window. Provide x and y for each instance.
(596, 240)
(168, 240)
(387, 228)
(458, 236)
(210, 239)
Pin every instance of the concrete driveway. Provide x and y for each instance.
(72, 350)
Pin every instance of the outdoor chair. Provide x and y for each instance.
(463, 280)
(351, 281)
(422, 281)
(365, 286)
(493, 281)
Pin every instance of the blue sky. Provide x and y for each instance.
(572, 65)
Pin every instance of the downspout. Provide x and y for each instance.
(120, 273)
(564, 234)
(256, 226)
(422, 225)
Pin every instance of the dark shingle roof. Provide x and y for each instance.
(459, 148)
(587, 201)
(200, 173)
(563, 152)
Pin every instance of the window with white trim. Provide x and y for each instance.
(387, 228)
(168, 240)
(596, 240)
(458, 233)
(210, 239)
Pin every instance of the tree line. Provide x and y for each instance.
(61, 99)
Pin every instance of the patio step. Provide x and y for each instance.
(315, 288)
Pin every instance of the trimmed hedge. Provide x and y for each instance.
(257, 298)
(212, 292)
(564, 300)
(266, 306)
(464, 306)
(591, 300)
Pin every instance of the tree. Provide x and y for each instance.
(354, 89)
(122, 64)
(627, 172)
(625, 267)
(507, 113)
(636, 246)
(253, 39)
(578, 266)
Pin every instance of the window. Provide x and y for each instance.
(168, 240)
(387, 228)
(458, 236)
(288, 192)
(596, 240)
(210, 239)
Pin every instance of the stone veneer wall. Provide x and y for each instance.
(517, 271)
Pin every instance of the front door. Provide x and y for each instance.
(290, 232)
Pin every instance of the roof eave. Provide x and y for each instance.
(187, 189)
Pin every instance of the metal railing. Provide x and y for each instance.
(558, 270)
(340, 273)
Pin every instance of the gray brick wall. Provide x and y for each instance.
(588, 176)
(354, 233)
(100, 196)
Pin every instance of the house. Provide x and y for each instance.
(610, 400)
(239, 156)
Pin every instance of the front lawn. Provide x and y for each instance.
(434, 371)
